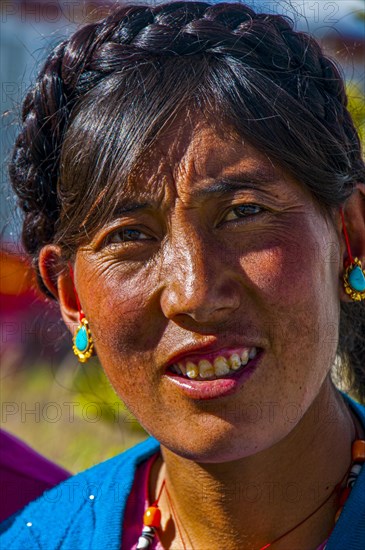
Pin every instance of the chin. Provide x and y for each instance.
(219, 444)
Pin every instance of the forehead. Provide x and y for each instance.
(188, 157)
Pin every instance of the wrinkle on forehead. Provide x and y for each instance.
(188, 154)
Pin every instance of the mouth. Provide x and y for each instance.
(222, 365)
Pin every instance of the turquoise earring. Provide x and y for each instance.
(83, 344)
(354, 276)
(354, 280)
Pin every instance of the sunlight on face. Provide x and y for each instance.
(213, 244)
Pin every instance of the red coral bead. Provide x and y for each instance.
(358, 450)
(152, 517)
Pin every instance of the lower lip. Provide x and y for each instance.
(201, 389)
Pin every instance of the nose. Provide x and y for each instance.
(198, 283)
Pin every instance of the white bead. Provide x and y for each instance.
(356, 469)
(29, 524)
(91, 497)
(143, 543)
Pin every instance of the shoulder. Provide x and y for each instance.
(84, 511)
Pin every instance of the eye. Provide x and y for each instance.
(126, 235)
(243, 211)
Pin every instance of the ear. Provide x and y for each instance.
(57, 278)
(354, 214)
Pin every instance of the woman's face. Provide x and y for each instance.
(192, 262)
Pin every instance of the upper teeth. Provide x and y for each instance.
(220, 366)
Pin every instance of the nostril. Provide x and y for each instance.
(206, 299)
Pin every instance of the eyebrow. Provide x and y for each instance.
(230, 184)
(224, 185)
(130, 207)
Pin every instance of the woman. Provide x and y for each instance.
(193, 191)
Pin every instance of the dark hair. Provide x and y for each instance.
(105, 95)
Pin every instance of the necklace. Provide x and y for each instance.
(152, 516)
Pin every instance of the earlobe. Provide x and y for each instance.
(58, 281)
(354, 215)
(353, 224)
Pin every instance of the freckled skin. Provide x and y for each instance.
(261, 278)
(202, 275)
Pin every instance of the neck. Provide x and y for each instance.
(258, 498)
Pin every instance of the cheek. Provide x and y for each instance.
(296, 284)
(125, 329)
(294, 269)
(278, 280)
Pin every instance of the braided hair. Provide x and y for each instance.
(104, 96)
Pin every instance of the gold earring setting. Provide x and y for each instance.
(354, 280)
(83, 342)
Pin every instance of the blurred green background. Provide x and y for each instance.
(69, 414)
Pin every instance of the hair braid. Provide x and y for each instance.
(34, 167)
